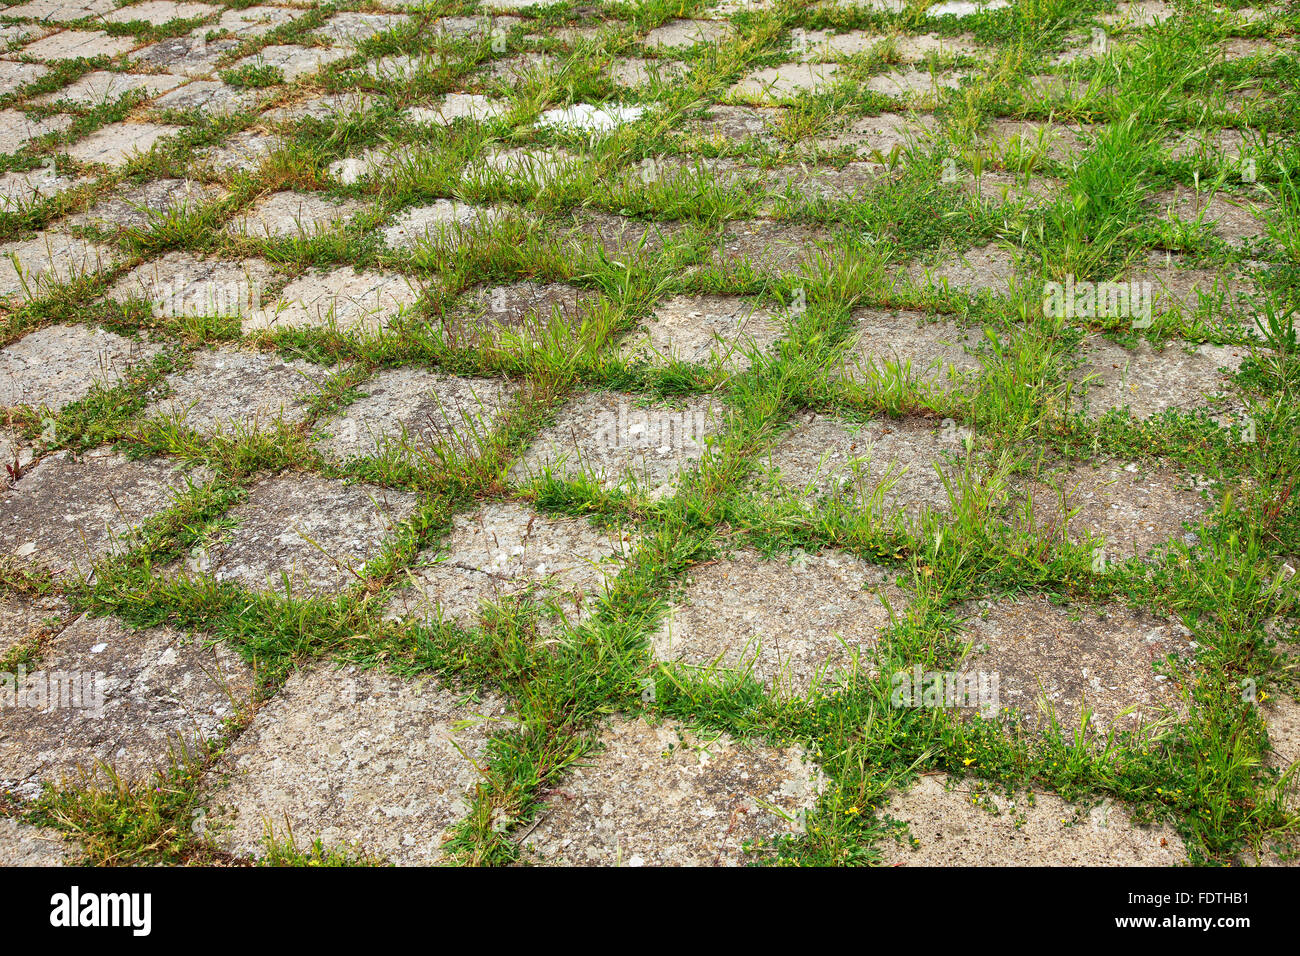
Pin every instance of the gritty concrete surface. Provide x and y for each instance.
(504, 551)
(181, 284)
(990, 268)
(951, 822)
(293, 215)
(26, 618)
(770, 246)
(31, 268)
(235, 392)
(527, 309)
(108, 694)
(69, 511)
(940, 353)
(1127, 509)
(356, 759)
(24, 845)
(704, 330)
(1235, 220)
(791, 622)
(148, 204)
(244, 153)
(661, 795)
(316, 532)
(342, 299)
(445, 224)
(59, 364)
(417, 415)
(1111, 662)
(1149, 382)
(616, 441)
(886, 465)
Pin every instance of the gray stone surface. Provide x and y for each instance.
(67, 512)
(58, 364)
(106, 86)
(940, 354)
(119, 143)
(317, 532)
(17, 128)
(792, 622)
(1149, 382)
(293, 215)
(24, 845)
(616, 441)
(148, 204)
(358, 760)
(505, 551)
(417, 415)
(664, 796)
(990, 268)
(700, 330)
(26, 618)
(119, 697)
(294, 62)
(30, 268)
(343, 299)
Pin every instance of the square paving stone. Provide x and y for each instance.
(1143, 13)
(1219, 293)
(1149, 382)
(1021, 139)
(242, 153)
(414, 413)
(105, 86)
(294, 215)
(940, 354)
(990, 268)
(292, 61)
(526, 308)
(17, 128)
(318, 532)
(160, 12)
(1127, 509)
(58, 364)
(71, 44)
(771, 246)
(333, 107)
(29, 268)
(20, 191)
(343, 299)
(993, 187)
(883, 133)
(16, 453)
(445, 224)
(13, 76)
(1110, 660)
(702, 330)
(969, 823)
(139, 207)
(27, 618)
(916, 86)
(120, 143)
(227, 390)
(182, 284)
(256, 20)
(186, 56)
(504, 551)
(354, 759)
(665, 796)
(108, 693)
(60, 11)
(349, 29)
(723, 125)
(22, 844)
(614, 439)
(892, 458)
(790, 622)
(620, 237)
(467, 106)
(68, 512)
(787, 80)
(680, 34)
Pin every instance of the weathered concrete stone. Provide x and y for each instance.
(1017, 140)
(999, 188)
(414, 413)
(317, 532)
(256, 21)
(60, 11)
(912, 48)
(1111, 661)
(664, 796)
(343, 299)
(1126, 509)
(58, 364)
(1149, 382)
(242, 153)
(724, 125)
(455, 106)
(537, 166)
(242, 392)
(969, 823)
(294, 62)
(182, 284)
(25, 619)
(354, 759)
(883, 133)
(68, 512)
(679, 34)
(770, 246)
(1143, 13)
(586, 118)
(349, 29)
(21, 191)
(1220, 293)
(889, 461)
(445, 224)
(524, 308)
(120, 143)
(704, 330)
(72, 44)
(193, 55)
(14, 76)
(293, 215)
(105, 86)
(1235, 221)
(620, 237)
(119, 697)
(24, 845)
(28, 269)
(17, 128)
(161, 11)
(939, 354)
(990, 268)
(333, 107)
(139, 207)
(965, 8)
(792, 623)
(611, 439)
(787, 80)
(916, 86)
(504, 551)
